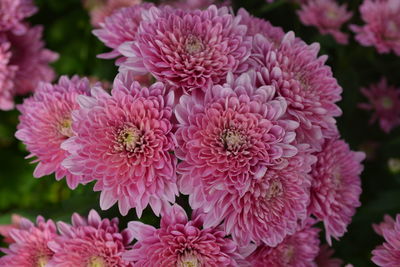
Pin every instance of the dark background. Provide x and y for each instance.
(68, 32)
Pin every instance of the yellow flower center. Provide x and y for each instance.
(387, 102)
(128, 138)
(65, 127)
(188, 260)
(274, 190)
(193, 44)
(96, 262)
(232, 140)
(42, 261)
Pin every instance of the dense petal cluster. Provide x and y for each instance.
(336, 186)
(189, 50)
(303, 79)
(123, 142)
(180, 242)
(388, 254)
(90, 242)
(384, 101)
(12, 14)
(46, 121)
(328, 16)
(7, 74)
(382, 25)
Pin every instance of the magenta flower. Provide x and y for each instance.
(382, 25)
(92, 242)
(336, 186)
(190, 50)
(45, 123)
(303, 79)
(324, 258)
(12, 14)
(388, 254)
(179, 242)
(7, 74)
(384, 100)
(297, 250)
(30, 246)
(123, 142)
(328, 16)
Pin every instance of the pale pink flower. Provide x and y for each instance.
(123, 142)
(6, 229)
(30, 246)
(189, 50)
(7, 74)
(297, 250)
(382, 25)
(388, 254)
(90, 242)
(336, 186)
(384, 100)
(180, 242)
(328, 16)
(45, 123)
(303, 79)
(324, 258)
(12, 14)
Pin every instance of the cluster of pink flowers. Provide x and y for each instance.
(23, 58)
(248, 110)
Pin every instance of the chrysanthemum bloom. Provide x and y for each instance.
(384, 100)
(12, 14)
(303, 79)
(123, 142)
(5, 230)
(297, 250)
(91, 242)
(7, 74)
(179, 242)
(190, 50)
(196, 4)
(382, 28)
(388, 254)
(336, 186)
(324, 258)
(45, 123)
(328, 16)
(31, 60)
(30, 246)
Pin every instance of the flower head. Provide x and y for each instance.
(123, 142)
(384, 100)
(91, 242)
(46, 122)
(180, 242)
(382, 25)
(327, 16)
(190, 50)
(12, 14)
(7, 74)
(336, 186)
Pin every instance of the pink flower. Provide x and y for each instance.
(388, 254)
(387, 224)
(91, 242)
(327, 16)
(30, 246)
(45, 123)
(324, 258)
(190, 50)
(7, 74)
(123, 142)
(297, 250)
(336, 186)
(12, 14)
(195, 4)
(306, 83)
(382, 28)
(179, 242)
(5, 230)
(384, 100)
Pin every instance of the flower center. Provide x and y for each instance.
(128, 138)
(96, 262)
(193, 44)
(288, 254)
(232, 140)
(65, 127)
(42, 261)
(337, 178)
(386, 102)
(274, 190)
(331, 13)
(188, 260)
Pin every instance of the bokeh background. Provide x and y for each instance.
(68, 32)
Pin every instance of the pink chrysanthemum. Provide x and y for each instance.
(189, 50)
(336, 186)
(297, 250)
(45, 123)
(303, 79)
(195, 4)
(328, 16)
(382, 28)
(7, 74)
(5, 230)
(179, 242)
(324, 258)
(93, 242)
(30, 246)
(388, 254)
(123, 142)
(12, 14)
(384, 100)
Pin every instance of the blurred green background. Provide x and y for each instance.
(68, 32)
